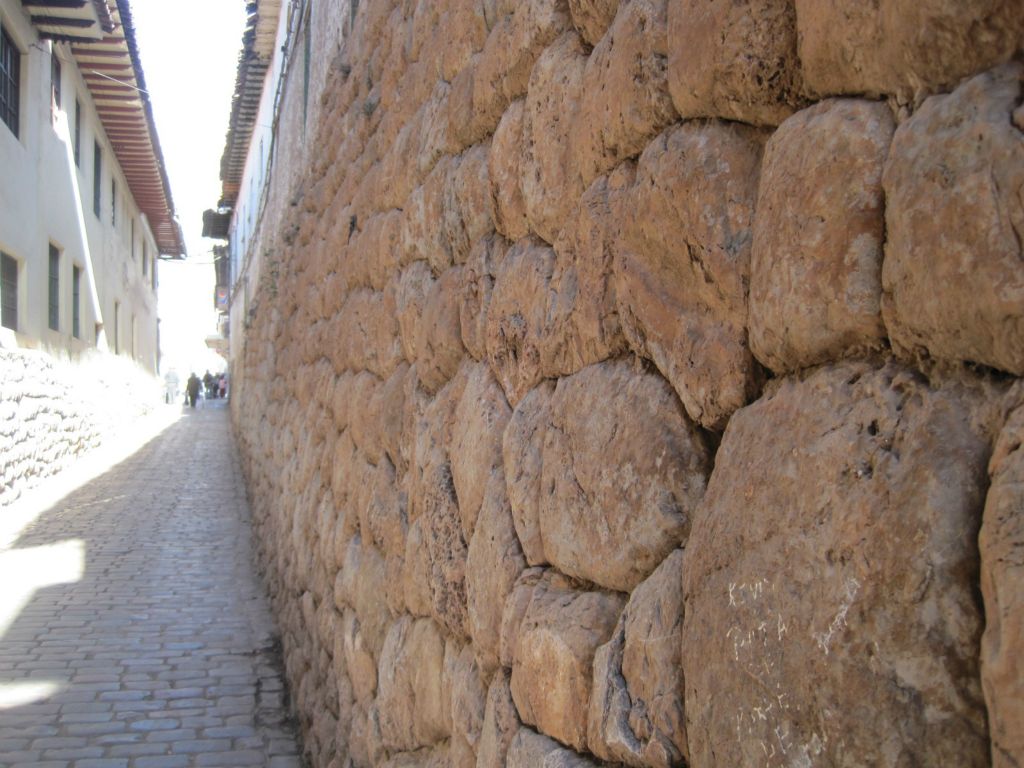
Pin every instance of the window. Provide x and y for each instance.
(76, 302)
(117, 328)
(145, 260)
(55, 77)
(10, 82)
(78, 133)
(153, 273)
(133, 241)
(97, 178)
(54, 284)
(113, 202)
(8, 292)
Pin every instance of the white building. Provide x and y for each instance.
(85, 206)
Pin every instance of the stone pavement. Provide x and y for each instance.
(134, 632)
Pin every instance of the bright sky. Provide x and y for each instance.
(189, 51)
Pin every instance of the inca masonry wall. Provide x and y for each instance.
(638, 383)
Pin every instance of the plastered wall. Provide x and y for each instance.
(638, 383)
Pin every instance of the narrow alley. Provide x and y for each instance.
(134, 632)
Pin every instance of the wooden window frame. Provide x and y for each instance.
(10, 83)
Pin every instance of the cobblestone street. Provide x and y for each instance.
(134, 632)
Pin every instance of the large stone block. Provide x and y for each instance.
(468, 700)
(522, 452)
(517, 316)
(446, 551)
(468, 206)
(834, 563)
(816, 265)
(370, 336)
(383, 522)
(359, 661)
(466, 125)
(462, 32)
(557, 638)
(436, 757)
(530, 749)
(480, 418)
(493, 564)
(624, 101)
(1002, 586)
(636, 707)
(500, 725)
(432, 128)
(410, 699)
(512, 48)
(906, 49)
(391, 405)
(359, 585)
(593, 17)
(505, 170)
(414, 284)
(953, 276)
(439, 347)
(363, 420)
(432, 427)
(477, 286)
(736, 61)
(622, 471)
(551, 181)
(583, 324)
(423, 233)
(684, 264)
(416, 570)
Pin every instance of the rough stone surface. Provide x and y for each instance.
(1002, 585)
(505, 169)
(636, 707)
(684, 264)
(500, 725)
(952, 187)
(554, 653)
(593, 17)
(582, 320)
(480, 419)
(522, 449)
(493, 564)
(517, 317)
(736, 61)
(624, 101)
(838, 538)
(561, 317)
(622, 471)
(551, 180)
(411, 701)
(908, 50)
(816, 267)
(530, 749)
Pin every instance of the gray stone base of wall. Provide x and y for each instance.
(52, 411)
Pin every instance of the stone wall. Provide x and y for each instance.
(629, 382)
(53, 410)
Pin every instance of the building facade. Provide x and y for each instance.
(85, 207)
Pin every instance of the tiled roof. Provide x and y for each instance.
(257, 52)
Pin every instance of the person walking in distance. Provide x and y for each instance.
(192, 389)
